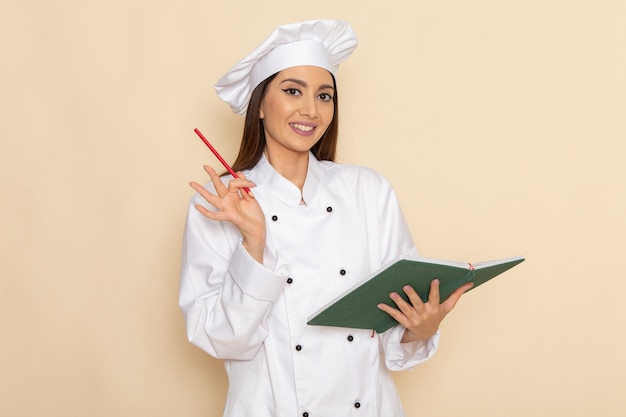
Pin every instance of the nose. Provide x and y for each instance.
(308, 107)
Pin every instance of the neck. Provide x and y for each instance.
(292, 166)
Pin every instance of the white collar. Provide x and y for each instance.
(267, 178)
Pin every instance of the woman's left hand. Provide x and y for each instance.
(422, 319)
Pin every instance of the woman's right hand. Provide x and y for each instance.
(237, 206)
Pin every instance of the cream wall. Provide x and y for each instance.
(501, 124)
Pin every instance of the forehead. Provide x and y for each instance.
(309, 74)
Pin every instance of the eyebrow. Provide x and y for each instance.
(304, 84)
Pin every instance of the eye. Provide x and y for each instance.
(292, 91)
(325, 97)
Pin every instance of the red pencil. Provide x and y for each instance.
(218, 156)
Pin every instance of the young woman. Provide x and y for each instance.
(256, 265)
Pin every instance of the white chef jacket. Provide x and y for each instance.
(253, 316)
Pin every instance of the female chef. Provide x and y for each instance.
(256, 265)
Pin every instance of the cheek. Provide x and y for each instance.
(271, 108)
(328, 114)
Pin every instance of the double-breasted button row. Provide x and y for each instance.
(342, 272)
(350, 339)
(356, 405)
(274, 217)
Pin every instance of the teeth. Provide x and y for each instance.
(302, 127)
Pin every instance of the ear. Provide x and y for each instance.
(261, 114)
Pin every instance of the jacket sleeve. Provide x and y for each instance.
(396, 240)
(402, 356)
(225, 294)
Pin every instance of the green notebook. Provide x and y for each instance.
(357, 308)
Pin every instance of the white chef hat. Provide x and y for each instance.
(322, 43)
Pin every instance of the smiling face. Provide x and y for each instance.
(297, 109)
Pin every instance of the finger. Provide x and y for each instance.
(206, 194)
(404, 307)
(454, 298)
(434, 296)
(238, 184)
(244, 180)
(206, 212)
(396, 314)
(213, 215)
(249, 194)
(220, 188)
(414, 297)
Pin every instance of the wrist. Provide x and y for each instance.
(255, 249)
(410, 336)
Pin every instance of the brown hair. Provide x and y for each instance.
(253, 139)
